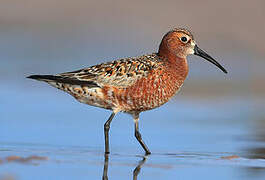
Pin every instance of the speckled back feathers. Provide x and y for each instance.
(119, 73)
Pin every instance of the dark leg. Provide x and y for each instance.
(138, 134)
(106, 132)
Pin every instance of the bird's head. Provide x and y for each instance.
(181, 43)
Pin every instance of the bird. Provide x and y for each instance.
(134, 84)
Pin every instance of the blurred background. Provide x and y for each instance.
(214, 113)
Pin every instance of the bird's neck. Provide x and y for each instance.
(178, 65)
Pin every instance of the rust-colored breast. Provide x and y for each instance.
(149, 92)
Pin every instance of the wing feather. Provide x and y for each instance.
(119, 73)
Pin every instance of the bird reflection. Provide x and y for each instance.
(136, 171)
(106, 165)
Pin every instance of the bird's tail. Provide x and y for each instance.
(45, 77)
(62, 79)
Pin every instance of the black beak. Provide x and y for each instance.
(201, 53)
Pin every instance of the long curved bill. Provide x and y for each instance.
(201, 53)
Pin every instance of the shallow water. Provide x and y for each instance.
(72, 162)
(189, 138)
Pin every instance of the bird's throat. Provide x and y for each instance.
(178, 65)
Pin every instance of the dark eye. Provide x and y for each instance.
(183, 39)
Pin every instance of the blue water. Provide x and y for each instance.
(188, 137)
